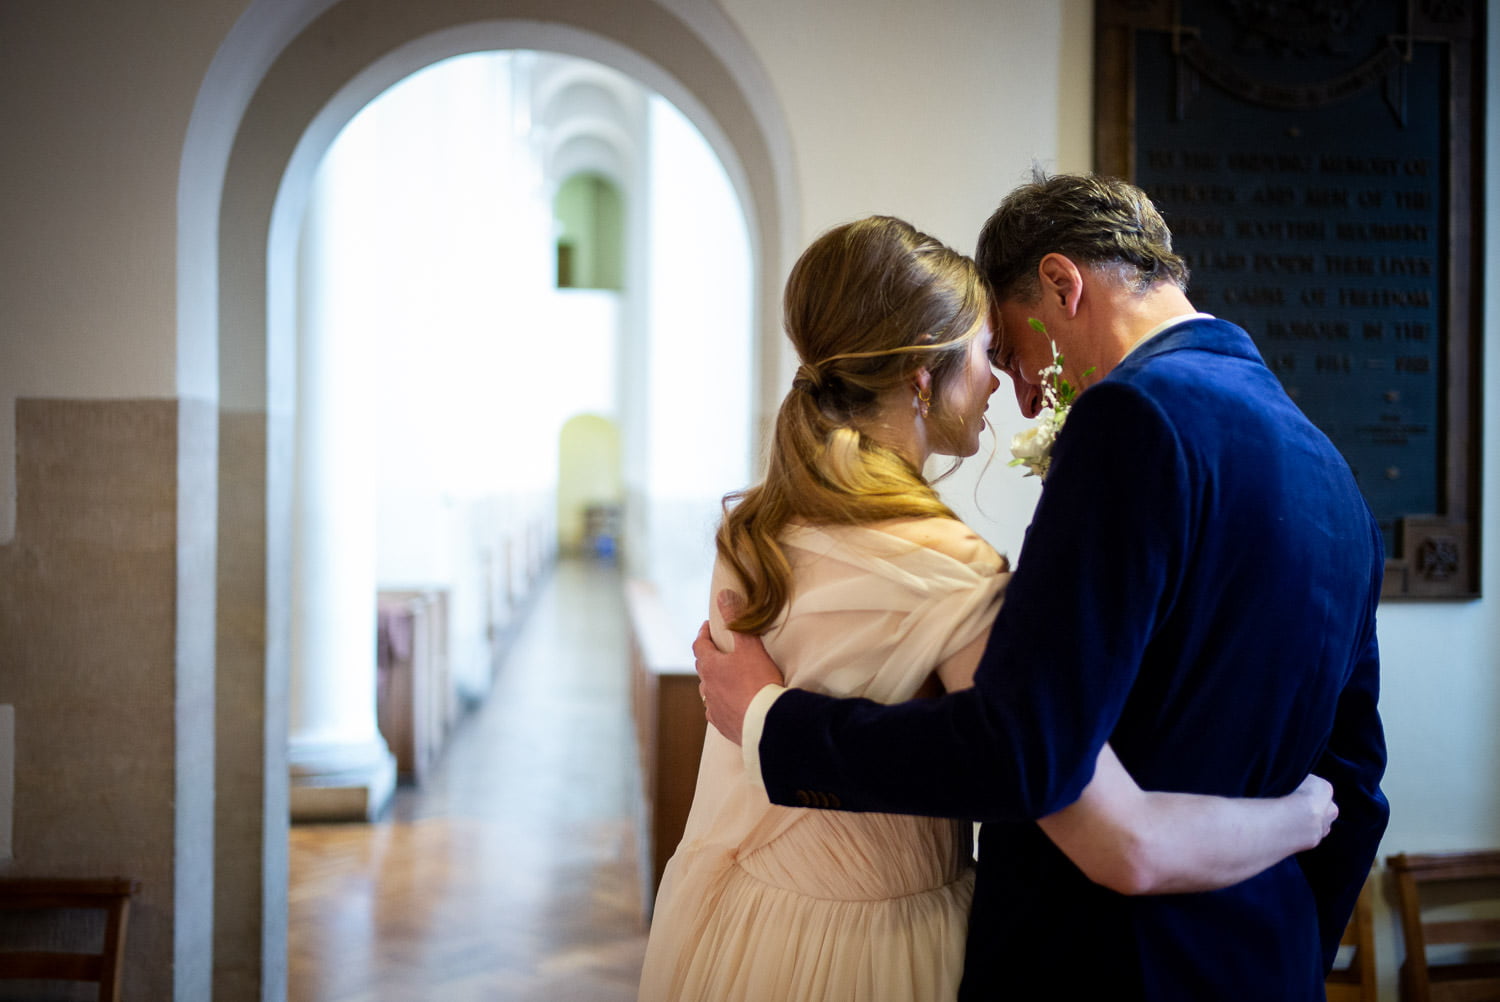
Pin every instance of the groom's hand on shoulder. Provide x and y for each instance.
(729, 680)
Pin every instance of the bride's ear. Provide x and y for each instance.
(922, 386)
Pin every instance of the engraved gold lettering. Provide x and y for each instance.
(1285, 264)
(1260, 295)
(1212, 194)
(1385, 297)
(1215, 261)
(1327, 198)
(1267, 163)
(1368, 232)
(1197, 226)
(1342, 264)
(1405, 266)
(1280, 229)
(1274, 195)
(1307, 330)
(1332, 163)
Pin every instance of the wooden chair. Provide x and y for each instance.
(1430, 890)
(1354, 981)
(103, 966)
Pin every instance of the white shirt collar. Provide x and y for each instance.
(1165, 326)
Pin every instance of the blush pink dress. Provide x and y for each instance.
(762, 903)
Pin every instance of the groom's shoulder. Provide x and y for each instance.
(1179, 382)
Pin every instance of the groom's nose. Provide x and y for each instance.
(1028, 397)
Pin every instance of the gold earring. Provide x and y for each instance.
(924, 401)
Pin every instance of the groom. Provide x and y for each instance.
(1198, 586)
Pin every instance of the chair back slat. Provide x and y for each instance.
(1428, 886)
(1474, 932)
(43, 965)
(104, 966)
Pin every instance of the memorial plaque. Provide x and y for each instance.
(1315, 164)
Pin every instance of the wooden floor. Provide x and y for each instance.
(512, 873)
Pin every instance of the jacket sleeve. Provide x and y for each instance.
(1095, 572)
(1353, 762)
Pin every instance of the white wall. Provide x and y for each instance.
(87, 291)
(699, 362)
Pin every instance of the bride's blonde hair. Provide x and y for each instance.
(867, 305)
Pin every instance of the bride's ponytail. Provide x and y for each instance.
(866, 305)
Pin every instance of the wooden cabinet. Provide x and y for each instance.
(415, 700)
(669, 725)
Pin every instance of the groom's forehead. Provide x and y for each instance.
(1008, 321)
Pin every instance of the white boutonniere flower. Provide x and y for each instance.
(1033, 447)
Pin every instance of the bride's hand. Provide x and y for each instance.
(1316, 793)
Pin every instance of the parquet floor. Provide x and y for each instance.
(512, 873)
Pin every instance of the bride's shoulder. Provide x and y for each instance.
(947, 536)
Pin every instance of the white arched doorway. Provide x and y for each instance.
(589, 489)
(285, 81)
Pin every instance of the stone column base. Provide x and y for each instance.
(340, 782)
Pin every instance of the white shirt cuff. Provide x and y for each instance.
(750, 731)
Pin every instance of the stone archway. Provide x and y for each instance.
(284, 82)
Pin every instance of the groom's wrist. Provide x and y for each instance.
(752, 728)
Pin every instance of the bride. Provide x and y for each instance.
(862, 582)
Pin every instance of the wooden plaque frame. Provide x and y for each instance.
(1436, 554)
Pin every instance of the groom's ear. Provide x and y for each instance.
(1061, 281)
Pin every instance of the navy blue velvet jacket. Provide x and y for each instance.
(1198, 586)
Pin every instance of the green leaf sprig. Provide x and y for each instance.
(1033, 447)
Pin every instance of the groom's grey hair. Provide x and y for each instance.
(1098, 221)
